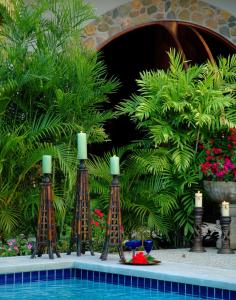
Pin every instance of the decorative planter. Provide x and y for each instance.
(220, 191)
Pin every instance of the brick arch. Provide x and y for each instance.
(137, 13)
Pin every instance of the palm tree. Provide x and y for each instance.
(21, 150)
(176, 109)
(50, 88)
(140, 205)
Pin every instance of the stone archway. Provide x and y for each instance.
(137, 13)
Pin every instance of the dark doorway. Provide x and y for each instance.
(146, 48)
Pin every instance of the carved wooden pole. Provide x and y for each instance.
(197, 242)
(113, 237)
(81, 231)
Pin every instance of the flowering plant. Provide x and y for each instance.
(15, 247)
(98, 223)
(217, 157)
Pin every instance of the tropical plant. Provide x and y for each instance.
(51, 87)
(20, 177)
(140, 204)
(176, 110)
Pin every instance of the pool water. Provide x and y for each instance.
(74, 289)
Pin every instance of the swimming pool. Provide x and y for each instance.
(86, 284)
(81, 289)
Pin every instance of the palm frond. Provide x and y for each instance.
(182, 158)
(9, 218)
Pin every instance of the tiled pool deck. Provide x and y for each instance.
(204, 269)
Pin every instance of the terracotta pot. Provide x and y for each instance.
(220, 191)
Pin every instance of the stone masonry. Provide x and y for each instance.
(137, 13)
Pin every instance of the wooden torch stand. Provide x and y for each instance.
(113, 235)
(46, 231)
(197, 242)
(81, 231)
(225, 225)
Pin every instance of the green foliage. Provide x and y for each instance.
(176, 110)
(51, 87)
(140, 203)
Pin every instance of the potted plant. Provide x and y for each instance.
(176, 110)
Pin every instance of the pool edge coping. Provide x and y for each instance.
(40, 264)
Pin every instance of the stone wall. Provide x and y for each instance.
(137, 13)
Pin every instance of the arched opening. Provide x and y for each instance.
(145, 48)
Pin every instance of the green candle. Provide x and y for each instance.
(82, 145)
(47, 164)
(115, 165)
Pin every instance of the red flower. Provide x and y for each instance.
(96, 223)
(220, 174)
(205, 167)
(216, 150)
(98, 213)
(210, 157)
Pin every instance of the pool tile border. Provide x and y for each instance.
(118, 279)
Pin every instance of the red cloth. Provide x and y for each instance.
(139, 259)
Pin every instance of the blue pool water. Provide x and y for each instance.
(74, 289)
